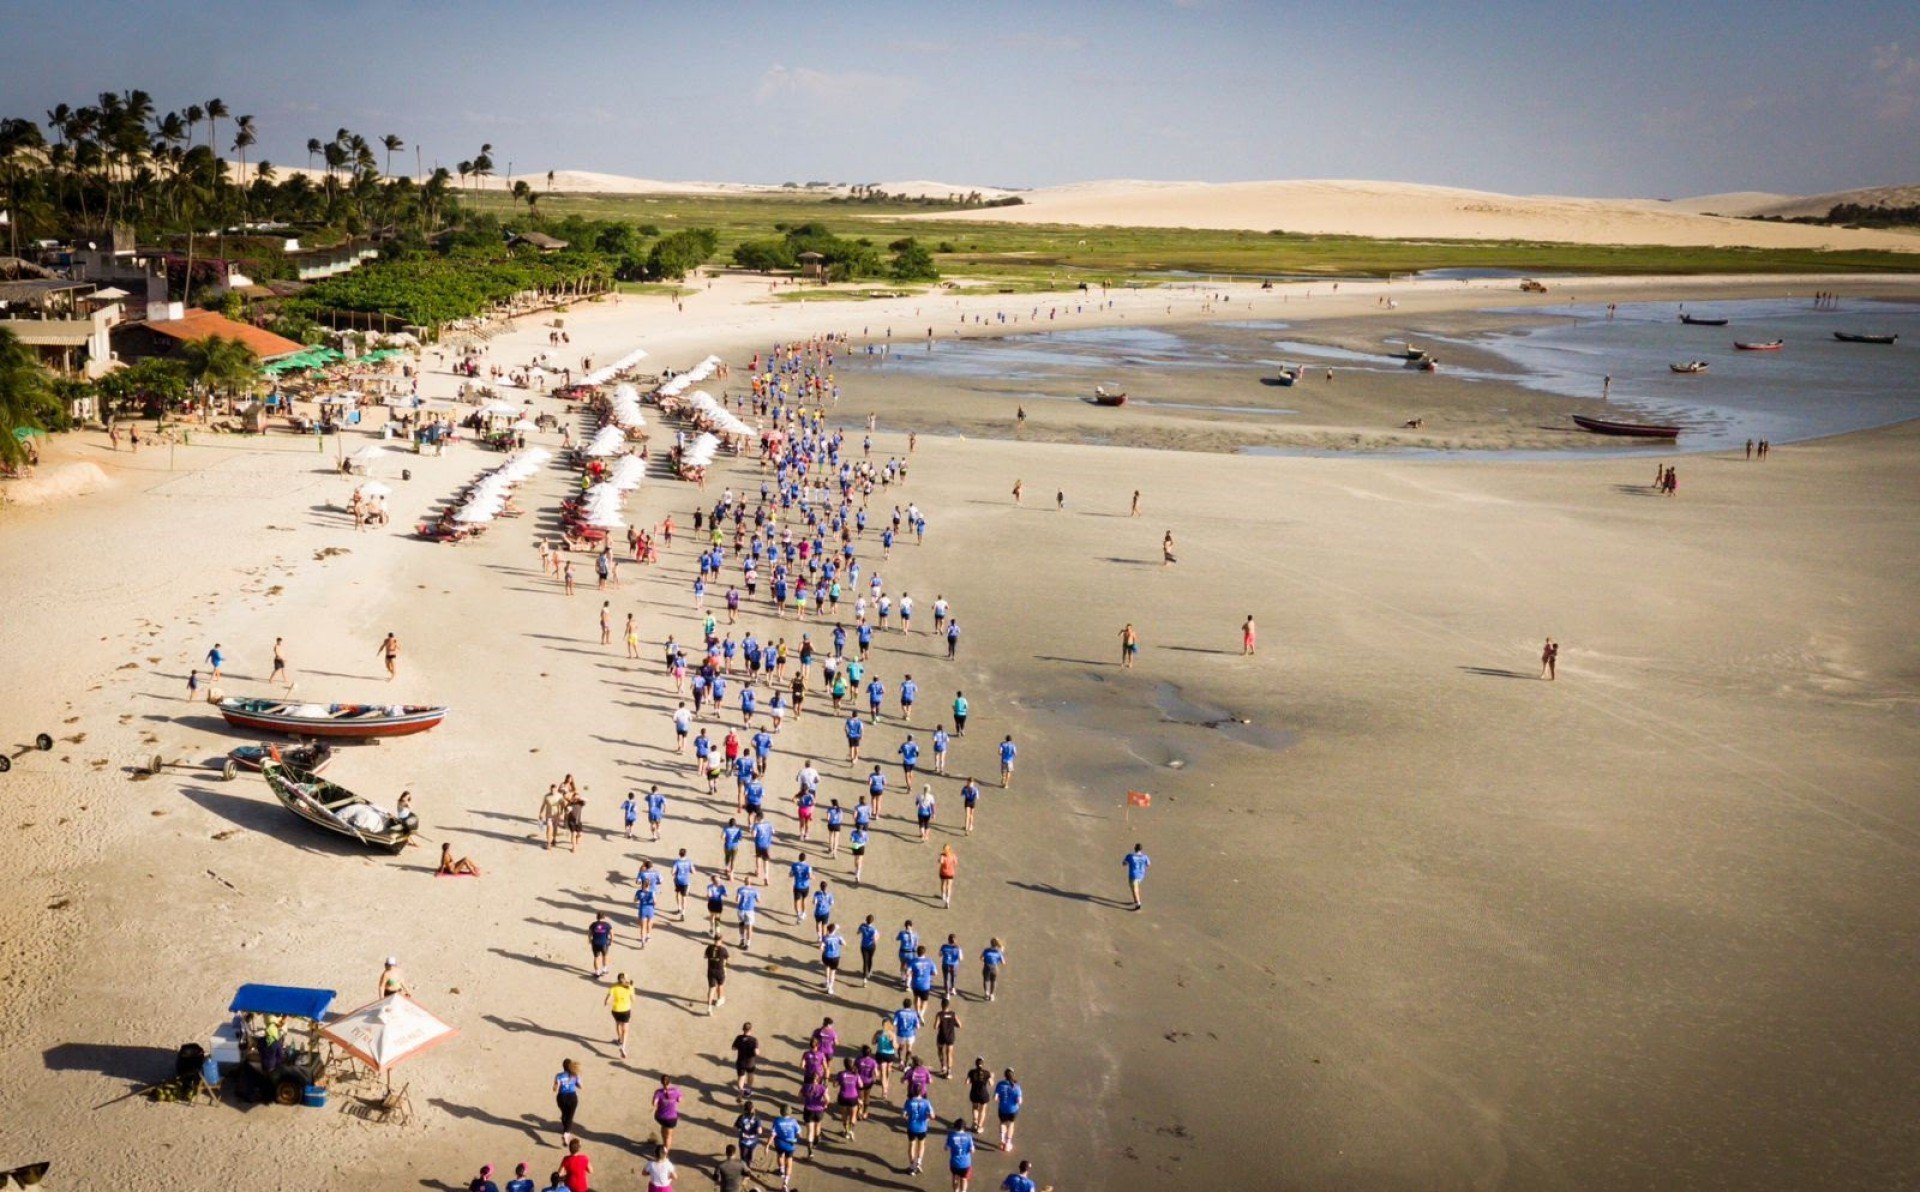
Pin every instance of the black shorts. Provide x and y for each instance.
(1007, 1117)
(916, 1135)
(810, 1115)
(762, 853)
(715, 907)
(622, 1016)
(832, 963)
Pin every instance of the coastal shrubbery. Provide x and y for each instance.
(839, 258)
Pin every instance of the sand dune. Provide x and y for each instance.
(1403, 210)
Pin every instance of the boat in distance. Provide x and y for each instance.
(1696, 321)
(330, 720)
(1769, 345)
(1691, 366)
(1101, 397)
(1631, 430)
(1849, 337)
(337, 809)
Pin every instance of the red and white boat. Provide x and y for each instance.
(330, 720)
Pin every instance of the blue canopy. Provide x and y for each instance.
(290, 1001)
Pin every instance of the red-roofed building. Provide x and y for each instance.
(161, 338)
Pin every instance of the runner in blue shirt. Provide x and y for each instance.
(953, 638)
(682, 882)
(630, 812)
(747, 702)
(643, 902)
(832, 945)
(941, 742)
(822, 909)
(876, 692)
(730, 838)
(762, 749)
(755, 796)
(1007, 752)
(854, 732)
(600, 939)
(1136, 863)
(802, 874)
(869, 943)
(906, 1025)
(1022, 1180)
(960, 1155)
(920, 977)
(876, 788)
(992, 957)
(919, 1114)
(762, 848)
(743, 770)
(909, 691)
(716, 904)
(908, 939)
(950, 957)
(786, 1139)
(909, 757)
(857, 845)
(836, 819)
(747, 905)
(970, 797)
(656, 810)
(863, 633)
(1006, 1103)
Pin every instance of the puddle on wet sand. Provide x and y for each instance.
(1176, 707)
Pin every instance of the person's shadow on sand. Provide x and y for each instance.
(1495, 672)
(1075, 895)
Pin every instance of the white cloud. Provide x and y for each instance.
(1897, 78)
(831, 87)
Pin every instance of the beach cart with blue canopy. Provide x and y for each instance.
(259, 1040)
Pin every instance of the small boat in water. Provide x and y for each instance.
(1848, 337)
(1691, 366)
(338, 809)
(1632, 430)
(1102, 398)
(311, 757)
(1695, 321)
(1770, 345)
(330, 720)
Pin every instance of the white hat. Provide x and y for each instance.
(392, 961)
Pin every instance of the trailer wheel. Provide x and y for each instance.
(44, 742)
(228, 770)
(157, 764)
(6, 763)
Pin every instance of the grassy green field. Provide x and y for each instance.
(1040, 256)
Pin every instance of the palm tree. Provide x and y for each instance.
(522, 193)
(482, 165)
(244, 138)
(195, 114)
(392, 144)
(465, 168)
(313, 150)
(27, 402)
(216, 112)
(220, 365)
(19, 138)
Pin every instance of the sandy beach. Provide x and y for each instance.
(1417, 918)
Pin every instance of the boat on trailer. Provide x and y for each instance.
(327, 805)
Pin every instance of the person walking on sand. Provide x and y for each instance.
(1129, 646)
(1166, 550)
(1136, 862)
(392, 981)
(619, 1000)
(553, 810)
(1007, 753)
(1246, 637)
(193, 685)
(215, 659)
(600, 941)
(666, 1110)
(949, 868)
(960, 1155)
(1549, 660)
(566, 577)
(1134, 509)
(992, 958)
(390, 650)
(1060, 500)
(280, 664)
(566, 1095)
(1019, 486)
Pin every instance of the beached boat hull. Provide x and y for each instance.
(1847, 338)
(312, 758)
(325, 805)
(338, 720)
(1109, 399)
(1631, 430)
(1698, 366)
(1770, 346)
(1690, 321)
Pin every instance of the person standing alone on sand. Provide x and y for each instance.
(1135, 510)
(1136, 862)
(1166, 550)
(1246, 637)
(390, 650)
(280, 664)
(1549, 660)
(1129, 645)
(1018, 487)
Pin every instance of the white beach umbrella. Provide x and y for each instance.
(368, 454)
(373, 488)
(387, 1033)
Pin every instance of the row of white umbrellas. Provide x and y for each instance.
(490, 492)
(608, 440)
(602, 503)
(709, 413)
(693, 376)
(700, 452)
(608, 372)
(623, 409)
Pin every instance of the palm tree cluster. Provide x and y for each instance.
(122, 161)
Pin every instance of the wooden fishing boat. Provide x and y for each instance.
(1102, 398)
(1848, 337)
(337, 809)
(330, 720)
(1696, 321)
(1770, 345)
(1284, 378)
(1632, 430)
(1691, 366)
(311, 757)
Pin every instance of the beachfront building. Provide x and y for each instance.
(163, 337)
(68, 324)
(538, 240)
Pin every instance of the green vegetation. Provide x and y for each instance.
(1855, 215)
(839, 258)
(1048, 256)
(27, 401)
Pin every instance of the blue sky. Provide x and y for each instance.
(1599, 99)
